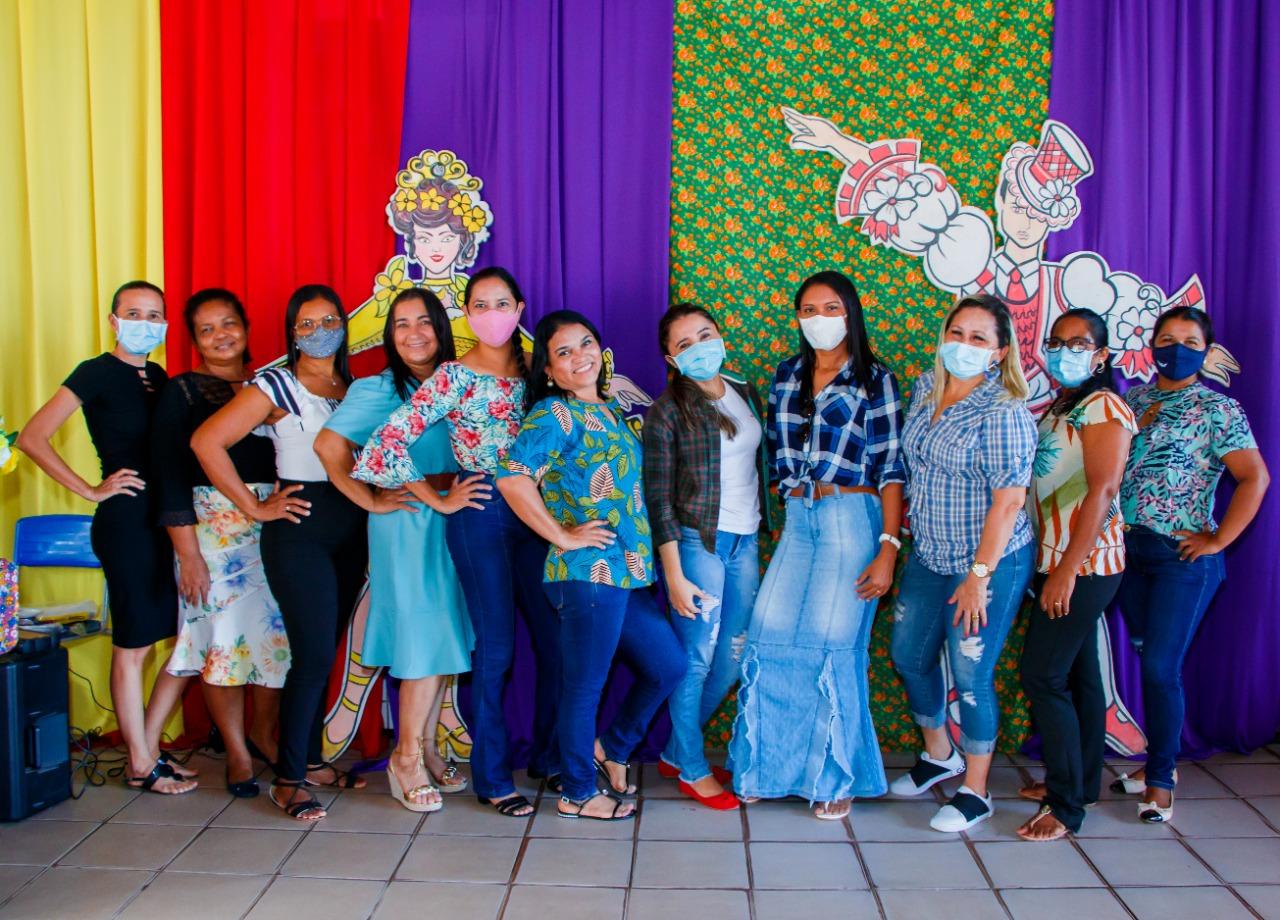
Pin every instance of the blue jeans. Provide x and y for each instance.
(596, 621)
(712, 641)
(1163, 600)
(922, 627)
(498, 560)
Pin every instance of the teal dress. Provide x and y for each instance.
(418, 624)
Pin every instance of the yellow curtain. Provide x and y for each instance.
(80, 192)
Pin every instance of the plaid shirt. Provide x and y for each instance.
(682, 468)
(853, 436)
(982, 443)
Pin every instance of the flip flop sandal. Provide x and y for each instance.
(611, 790)
(509, 806)
(342, 779)
(180, 770)
(246, 789)
(297, 809)
(1057, 835)
(1035, 792)
(160, 771)
(821, 813)
(579, 805)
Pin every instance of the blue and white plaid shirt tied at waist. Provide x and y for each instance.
(852, 437)
(986, 441)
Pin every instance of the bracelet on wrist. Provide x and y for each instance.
(890, 538)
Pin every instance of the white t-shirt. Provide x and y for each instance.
(295, 434)
(739, 475)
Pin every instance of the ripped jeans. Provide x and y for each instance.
(713, 641)
(922, 627)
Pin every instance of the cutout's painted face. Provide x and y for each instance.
(1017, 225)
(220, 335)
(413, 335)
(436, 248)
(573, 359)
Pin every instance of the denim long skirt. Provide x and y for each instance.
(804, 723)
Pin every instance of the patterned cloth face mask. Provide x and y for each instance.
(322, 343)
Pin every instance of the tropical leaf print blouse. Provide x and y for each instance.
(587, 463)
(483, 413)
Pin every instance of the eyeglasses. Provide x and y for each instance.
(807, 410)
(1075, 346)
(308, 326)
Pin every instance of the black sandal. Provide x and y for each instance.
(293, 808)
(579, 805)
(173, 764)
(160, 771)
(342, 779)
(245, 789)
(509, 806)
(603, 772)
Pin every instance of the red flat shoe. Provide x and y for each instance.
(721, 801)
(667, 771)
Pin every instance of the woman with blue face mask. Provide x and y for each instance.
(1083, 445)
(704, 474)
(314, 545)
(1187, 435)
(969, 443)
(118, 392)
(804, 711)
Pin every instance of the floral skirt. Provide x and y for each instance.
(236, 636)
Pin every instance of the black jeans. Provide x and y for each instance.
(1063, 681)
(315, 569)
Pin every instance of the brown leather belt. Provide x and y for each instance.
(826, 490)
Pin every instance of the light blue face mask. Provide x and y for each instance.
(1070, 368)
(140, 337)
(702, 360)
(964, 360)
(322, 343)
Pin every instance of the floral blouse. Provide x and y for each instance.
(483, 413)
(1059, 486)
(588, 466)
(1176, 459)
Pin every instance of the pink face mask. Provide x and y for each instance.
(493, 327)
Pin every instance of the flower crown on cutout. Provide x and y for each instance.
(433, 174)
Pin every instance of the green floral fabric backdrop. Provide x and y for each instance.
(750, 218)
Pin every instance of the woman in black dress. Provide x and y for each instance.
(230, 631)
(118, 391)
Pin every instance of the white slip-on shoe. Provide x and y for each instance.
(927, 773)
(965, 809)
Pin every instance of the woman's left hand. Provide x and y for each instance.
(1192, 544)
(1055, 594)
(877, 578)
(971, 604)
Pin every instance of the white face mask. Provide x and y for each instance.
(823, 332)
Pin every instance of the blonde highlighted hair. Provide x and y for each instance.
(1011, 376)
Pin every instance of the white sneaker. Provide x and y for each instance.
(965, 810)
(927, 773)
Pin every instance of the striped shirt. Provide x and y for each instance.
(1059, 487)
(853, 432)
(987, 441)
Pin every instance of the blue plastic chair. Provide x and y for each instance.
(57, 541)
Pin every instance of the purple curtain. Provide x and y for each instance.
(1179, 104)
(563, 109)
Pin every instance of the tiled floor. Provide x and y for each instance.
(117, 853)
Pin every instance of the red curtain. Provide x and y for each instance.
(281, 138)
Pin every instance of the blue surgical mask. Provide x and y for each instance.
(322, 343)
(1070, 368)
(1177, 361)
(701, 360)
(138, 336)
(964, 360)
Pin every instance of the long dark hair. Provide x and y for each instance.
(688, 397)
(861, 356)
(296, 300)
(517, 339)
(541, 386)
(403, 379)
(215, 295)
(1104, 378)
